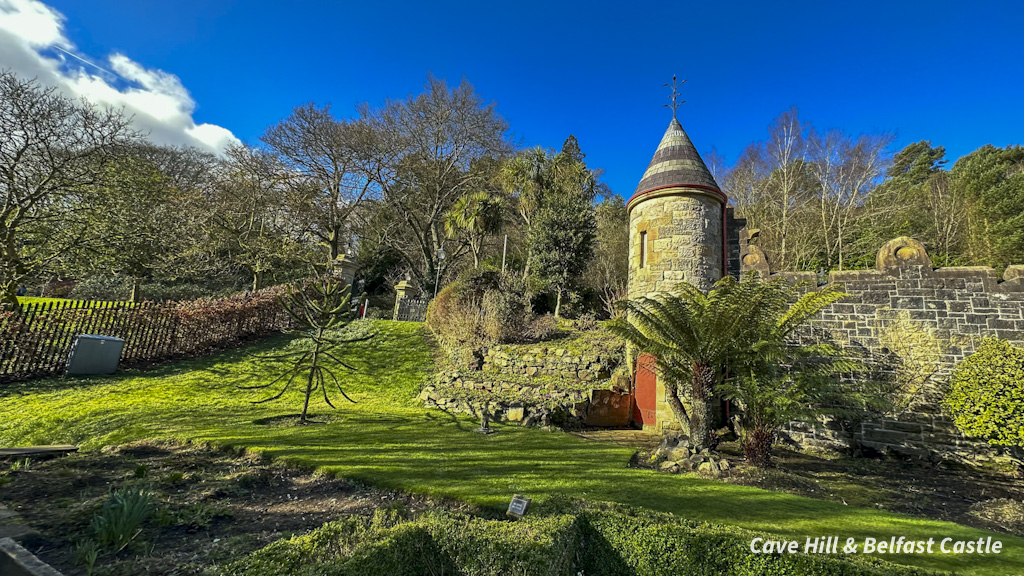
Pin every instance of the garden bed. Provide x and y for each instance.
(211, 507)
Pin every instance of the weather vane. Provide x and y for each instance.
(675, 95)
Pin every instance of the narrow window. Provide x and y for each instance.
(643, 249)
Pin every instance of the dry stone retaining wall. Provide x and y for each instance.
(548, 361)
(506, 401)
(536, 386)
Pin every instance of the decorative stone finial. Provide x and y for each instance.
(901, 252)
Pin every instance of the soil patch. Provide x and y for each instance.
(210, 507)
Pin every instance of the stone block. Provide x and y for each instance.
(906, 303)
(899, 426)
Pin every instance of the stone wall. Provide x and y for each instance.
(507, 401)
(544, 360)
(906, 318)
(539, 385)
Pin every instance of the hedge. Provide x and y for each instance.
(609, 541)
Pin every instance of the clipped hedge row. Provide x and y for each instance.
(609, 541)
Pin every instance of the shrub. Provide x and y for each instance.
(455, 320)
(986, 396)
(481, 308)
(542, 327)
(507, 312)
(610, 540)
(587, 322)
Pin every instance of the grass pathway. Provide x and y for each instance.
(389, 440)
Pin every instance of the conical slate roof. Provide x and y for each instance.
(676, 162)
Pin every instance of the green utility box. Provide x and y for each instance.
(91, 354)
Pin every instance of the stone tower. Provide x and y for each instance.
(677, 221)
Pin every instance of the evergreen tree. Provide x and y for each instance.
(562, 236)
(992, 181)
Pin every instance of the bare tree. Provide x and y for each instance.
(52, 148)
(250, 215)
(771, 186)
(321, 154)
(949, 211)
(785, 151)
(846, 170)
(427, 152)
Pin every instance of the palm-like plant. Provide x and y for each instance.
(778, 378)
(525, 178)
(319, 310)
(693, 335)
(738, 327)
(474, 216)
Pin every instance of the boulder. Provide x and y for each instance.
(679, 453)
(670, 467)
(710, 468)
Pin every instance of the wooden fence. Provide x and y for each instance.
(35, 341)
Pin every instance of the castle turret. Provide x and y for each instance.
(676, 233)
(676, 220)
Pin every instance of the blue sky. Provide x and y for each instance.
(952, 73)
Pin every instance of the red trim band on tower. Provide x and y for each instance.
(717, 193)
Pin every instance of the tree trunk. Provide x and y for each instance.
(676, 405)
(700, 417)
(558, 304)
(11, 268)
(757, 446)
(257, 277)
(136, 293)
(9, 297)
(312, 373)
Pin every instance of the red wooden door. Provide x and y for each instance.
(646, 386)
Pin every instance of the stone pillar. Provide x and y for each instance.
(401, 291)
(345, 269)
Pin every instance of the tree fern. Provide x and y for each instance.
(740, 328)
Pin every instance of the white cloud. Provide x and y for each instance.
(33, 45)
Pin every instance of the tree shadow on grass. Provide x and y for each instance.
(171, 368)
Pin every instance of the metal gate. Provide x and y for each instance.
(411, 310)
(645, 409)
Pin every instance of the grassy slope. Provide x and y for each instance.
(26, 300)
(388, 440)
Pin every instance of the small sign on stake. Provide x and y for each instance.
(518, 506)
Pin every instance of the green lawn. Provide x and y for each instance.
(26, 300)
(389, 440)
